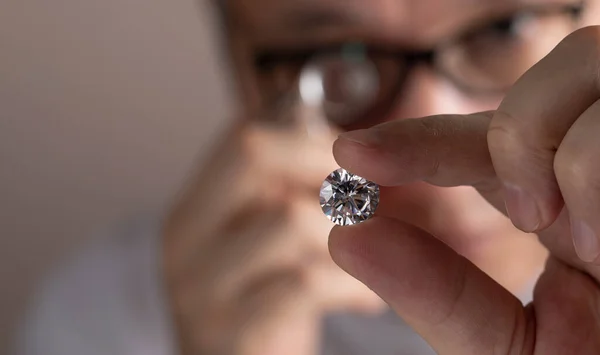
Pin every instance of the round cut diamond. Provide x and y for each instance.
(347, 198)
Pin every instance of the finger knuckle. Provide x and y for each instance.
(523, 331)
(503, 134)
(249, 151)
(589, 35)
(278, 283)
(574, 171)
(458, 296)
(582, 48)
(583, 40)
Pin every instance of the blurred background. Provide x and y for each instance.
(106, 106)
(99, 119)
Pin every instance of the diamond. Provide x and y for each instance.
(347, 198)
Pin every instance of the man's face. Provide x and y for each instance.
(427, 56)
(379, 60)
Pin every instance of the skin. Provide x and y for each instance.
(552, 197)
(247, 274)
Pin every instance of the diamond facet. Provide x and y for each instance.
(347, 198)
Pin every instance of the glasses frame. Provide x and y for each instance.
(267, 59)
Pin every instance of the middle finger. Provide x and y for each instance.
(532, 121)
(578, 176)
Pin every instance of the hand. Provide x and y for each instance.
(536, 159)
(246, 273)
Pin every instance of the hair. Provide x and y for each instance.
(222, 13)
(221, 6)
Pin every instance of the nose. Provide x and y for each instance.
(426, 93)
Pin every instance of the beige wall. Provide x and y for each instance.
(103, 107)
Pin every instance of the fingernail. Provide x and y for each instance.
(522, 208)
(585, 241)
(365, 137)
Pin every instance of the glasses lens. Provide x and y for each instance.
(343, 88)
(351, 90)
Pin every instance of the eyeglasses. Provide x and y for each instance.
(356, 83)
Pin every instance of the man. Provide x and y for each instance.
(250, 273)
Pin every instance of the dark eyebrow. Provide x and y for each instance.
(318, 17)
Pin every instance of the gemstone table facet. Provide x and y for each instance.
(348, 199)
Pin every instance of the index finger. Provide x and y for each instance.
(443, 150)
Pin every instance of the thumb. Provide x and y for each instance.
(452, 304)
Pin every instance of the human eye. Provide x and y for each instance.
(520, 24)
(503, 31)
(351, 83)
(491, 57)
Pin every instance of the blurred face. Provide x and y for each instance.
(357, 63)
(384, 59)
